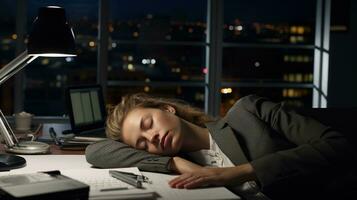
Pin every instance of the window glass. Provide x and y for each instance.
(157, 40)
(267, 64)
(156, 63)
(192, 95)
(158, 20)
(275, 21)
(46, 78)
(292, 97)
(7, 51)
(270, 43)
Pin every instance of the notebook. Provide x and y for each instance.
(86, 110)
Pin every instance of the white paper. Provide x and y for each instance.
(161, 186)
(99, 179)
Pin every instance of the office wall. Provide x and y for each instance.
(343, 64)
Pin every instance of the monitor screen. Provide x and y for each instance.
(86, 107)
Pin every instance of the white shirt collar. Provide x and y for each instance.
(213, 156)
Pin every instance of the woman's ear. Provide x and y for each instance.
(170, 109)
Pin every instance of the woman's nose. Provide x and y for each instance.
(152, 136)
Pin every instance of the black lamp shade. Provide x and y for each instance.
(51, 34)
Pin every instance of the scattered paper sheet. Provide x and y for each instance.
(161, 186)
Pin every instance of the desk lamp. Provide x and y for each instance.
(51, 36)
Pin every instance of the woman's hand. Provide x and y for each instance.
(214, 176)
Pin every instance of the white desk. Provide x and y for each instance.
(69, 162)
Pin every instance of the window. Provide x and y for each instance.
(157, 47)
(191, 94)
(261, 64)
(140, 62)
(272, 22)
(268, 45)
(8, 38)
(168, 48)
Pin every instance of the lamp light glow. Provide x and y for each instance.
(53, 55)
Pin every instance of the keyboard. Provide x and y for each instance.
(93, 133)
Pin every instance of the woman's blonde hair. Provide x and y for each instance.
(117, 113)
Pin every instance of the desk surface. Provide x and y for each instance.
(55, 150)
(71, 163)
(59, 159)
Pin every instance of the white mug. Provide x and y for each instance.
(23, 121)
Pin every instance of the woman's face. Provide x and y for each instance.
(154, 130)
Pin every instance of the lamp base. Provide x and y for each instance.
(9, 162)
(29, 147)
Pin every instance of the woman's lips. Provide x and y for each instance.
(165, 140)
(162, 141)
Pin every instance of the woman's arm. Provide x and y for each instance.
(112, 154)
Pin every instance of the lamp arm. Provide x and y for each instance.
(6, 132)
(5, 73)
(15, 66)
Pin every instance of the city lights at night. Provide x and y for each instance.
(157, 42)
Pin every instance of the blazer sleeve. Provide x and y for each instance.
(318, 147)
(112, 154)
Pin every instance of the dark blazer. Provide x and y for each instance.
(289, 152)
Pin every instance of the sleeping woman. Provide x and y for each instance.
(258, 149)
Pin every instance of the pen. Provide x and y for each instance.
(113, 189)
(54, 136)
(127, 178)
(141, 178)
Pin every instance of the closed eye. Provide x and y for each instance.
(146, 123)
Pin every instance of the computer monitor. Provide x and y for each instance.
(86, 107)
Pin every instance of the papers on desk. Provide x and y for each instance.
(103, 186)
(161, 186)
(159, 189)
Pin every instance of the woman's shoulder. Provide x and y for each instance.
(243, 103)
(252, 103)
(249, 100)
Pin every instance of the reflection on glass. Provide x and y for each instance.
(262, 64)
(192, 95)
(275, 21)
(292, 97)
(158, 20)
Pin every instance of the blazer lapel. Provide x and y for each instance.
(227, 142)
